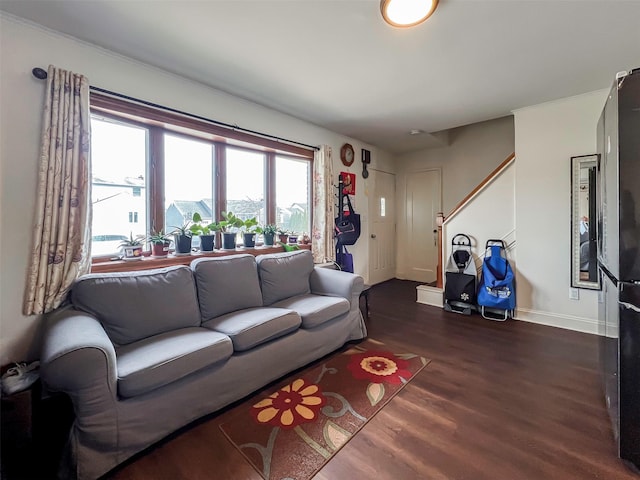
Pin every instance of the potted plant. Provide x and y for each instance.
(283, 235)
(182, 239)
(206, 232)
(159, 244)
(293, 238)
(229, 237)
(249, 230)
(132, 248)
(269, 233)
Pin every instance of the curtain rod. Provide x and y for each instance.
(41, 74)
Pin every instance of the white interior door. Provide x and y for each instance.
(418, 250)
(382, 214)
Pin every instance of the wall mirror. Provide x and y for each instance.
(584, 269)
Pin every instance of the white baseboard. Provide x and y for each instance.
(429, 295)
(569, 322)
(433, 296)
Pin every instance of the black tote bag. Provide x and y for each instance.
(348, 226)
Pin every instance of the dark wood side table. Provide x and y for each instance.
(17, 415)
(17, 431)
(34, 429)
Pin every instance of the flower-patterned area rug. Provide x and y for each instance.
(291, 433)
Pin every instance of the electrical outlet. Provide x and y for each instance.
(574, 294)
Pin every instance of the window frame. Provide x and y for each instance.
(158, 122)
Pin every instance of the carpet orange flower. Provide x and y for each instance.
(379, 367)
(292, 405)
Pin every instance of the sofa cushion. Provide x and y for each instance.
(284, 275)
(315, 309)
(226, 284)
(253, 326)
(159, 360)
(135, 305)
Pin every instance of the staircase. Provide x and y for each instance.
(488, 212)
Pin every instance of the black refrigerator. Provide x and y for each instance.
(619, 260)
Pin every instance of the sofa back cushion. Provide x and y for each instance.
(284, 275)
(136, 305)
(226, 284)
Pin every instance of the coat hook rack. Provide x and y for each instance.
(340, 193)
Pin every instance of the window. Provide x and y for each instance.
(155, 169)
(119, 162)
(245, 184)
(188, 180)
(292, 194)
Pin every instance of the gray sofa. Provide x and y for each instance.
(143, 353)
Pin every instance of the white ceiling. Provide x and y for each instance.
(338, 65)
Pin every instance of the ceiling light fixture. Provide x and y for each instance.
(416, 131)
(407, 13)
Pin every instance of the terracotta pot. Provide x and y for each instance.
(159, 249)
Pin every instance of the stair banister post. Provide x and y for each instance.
(439, 222)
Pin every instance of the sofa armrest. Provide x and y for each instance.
(75, 352)
(324, 281)
(78, 358)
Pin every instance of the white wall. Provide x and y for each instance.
(473, 151)
(490, 215)
(24, 46)
(546, 137)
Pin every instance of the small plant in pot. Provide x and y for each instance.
(182, 239)
(132, 248)
(269, 233)
(206, 232)
(159, 242)
(283, 235)
(249, 230)
(293, 238)
(229, 237)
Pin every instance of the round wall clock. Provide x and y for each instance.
(347, 155)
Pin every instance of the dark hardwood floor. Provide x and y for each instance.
(499, 401)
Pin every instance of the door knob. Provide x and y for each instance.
(373, 235)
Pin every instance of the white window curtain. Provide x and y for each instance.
(322, 243)
(61, 233)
